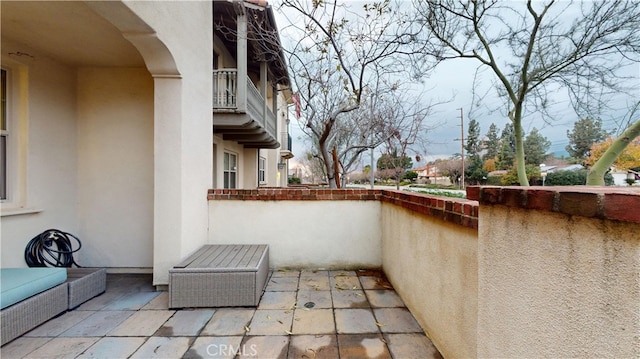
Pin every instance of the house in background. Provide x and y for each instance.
(251, 144)
(431, 174)
(111, 129)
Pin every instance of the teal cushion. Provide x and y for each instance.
(17, 284)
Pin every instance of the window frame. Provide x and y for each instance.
(17, 86)
(5, 137)
(229, 172)
(262, 170)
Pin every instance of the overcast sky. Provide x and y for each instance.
(454, 79)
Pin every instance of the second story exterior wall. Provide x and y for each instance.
(250, 98)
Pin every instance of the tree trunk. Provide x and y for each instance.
(336, 169)
(326, 157)
(595, 177)
(516, 118)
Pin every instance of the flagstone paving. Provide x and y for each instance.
(302, 314)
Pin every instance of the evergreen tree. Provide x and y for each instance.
(473, 171)
(473, 146)
(535, 147)
(492, 144)
(585, 133)
(507, 153)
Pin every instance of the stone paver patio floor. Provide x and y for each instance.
(302, 314)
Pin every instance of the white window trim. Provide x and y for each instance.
(262, 170)
(17, 141)
(235, 170)
(6, 134)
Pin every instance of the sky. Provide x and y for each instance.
(454, 80)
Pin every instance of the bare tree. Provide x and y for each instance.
(407, 125)
(344, 58)
(535, 49)
(314, 169)
(452, 168)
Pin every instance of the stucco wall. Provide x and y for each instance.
(115, 161)
(432, 264)
(180, 61)
(50, 163)
(426, 245)
(302, 234)
(555, 285)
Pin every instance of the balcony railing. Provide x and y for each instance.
(285, 145)
(256, 104)
(225, 89)
(285, 141)
(225, 100)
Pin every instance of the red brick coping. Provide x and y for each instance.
(459, 211)
(611, 203)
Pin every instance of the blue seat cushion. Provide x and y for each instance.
(17, 284)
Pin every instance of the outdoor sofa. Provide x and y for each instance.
(31, 296)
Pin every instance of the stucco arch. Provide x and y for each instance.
(157, 57)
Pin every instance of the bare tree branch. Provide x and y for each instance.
(550, 49)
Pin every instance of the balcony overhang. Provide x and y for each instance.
(242, 128)
(286, 154)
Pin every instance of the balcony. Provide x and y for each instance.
(240, 113)
(285, 145)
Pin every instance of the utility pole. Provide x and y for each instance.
(461, 146)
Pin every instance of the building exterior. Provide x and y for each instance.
(431, 174)
(110, 131)
(250, 91)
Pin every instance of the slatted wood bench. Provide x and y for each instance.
(220, 276)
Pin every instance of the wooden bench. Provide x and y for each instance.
(220, 276)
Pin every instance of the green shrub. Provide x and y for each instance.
(572, 178)
(411, 175)
(294, 180)
(494, 180)
(566, 178)
(511, 177)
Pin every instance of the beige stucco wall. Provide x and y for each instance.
(115, 166)
(181, 65)
(302, 234)
(553, 285)
(48, 128)
(249, 169)
(432, 265)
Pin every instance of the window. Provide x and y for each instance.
(230, 170)
(13, 147)
(262, 162)
(4, 135)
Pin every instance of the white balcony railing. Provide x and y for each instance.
(225, 89)
(285, 141)
(225, 94)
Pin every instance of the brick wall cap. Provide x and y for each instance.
(611, 203)
(456, 210)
